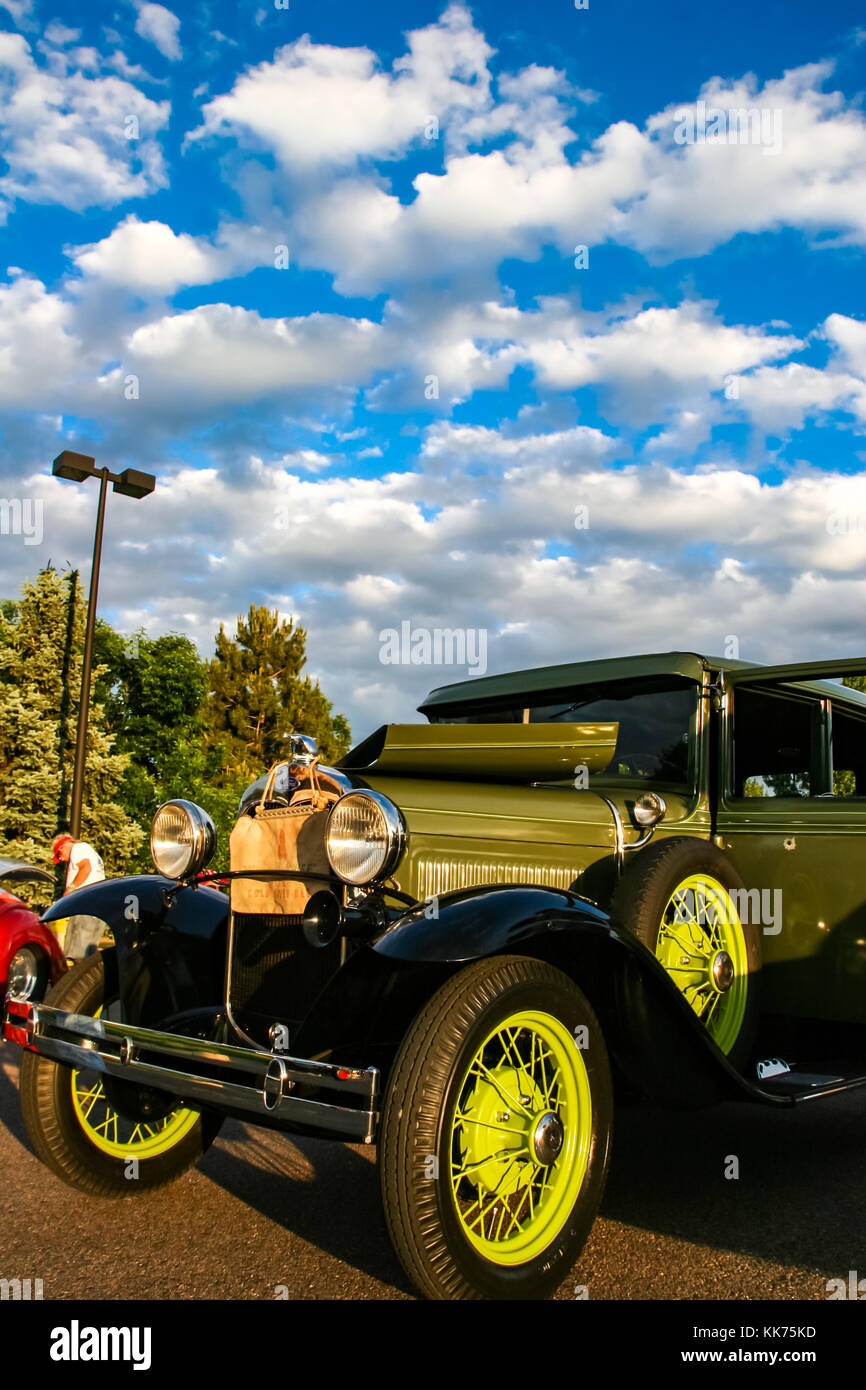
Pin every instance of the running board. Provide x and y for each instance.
(797, 1085)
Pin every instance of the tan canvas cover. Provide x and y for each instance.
(286, 837)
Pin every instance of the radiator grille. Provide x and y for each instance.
(274, 975)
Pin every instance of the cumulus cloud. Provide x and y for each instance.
(40, 351)
(782, 398)
(160, 27)
(638, 186)
(563, 534)
(698, 195)
(778, 568)
(221, 355)
(678, 369)
(73, 139)
(150, 258)
(319, 107)
(849, 338)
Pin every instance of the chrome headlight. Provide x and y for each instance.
(365, 837)
(182, 839)
(25, 971)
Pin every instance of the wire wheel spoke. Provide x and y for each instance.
(464, 1170)
(497, 1084)
(691, 948)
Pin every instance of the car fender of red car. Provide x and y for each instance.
(20, 926)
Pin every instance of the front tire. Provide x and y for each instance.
(495, 1135)
(86, 1127)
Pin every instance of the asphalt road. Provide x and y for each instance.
(262, 1210)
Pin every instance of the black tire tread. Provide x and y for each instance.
(37, 1082)
(418, 1079)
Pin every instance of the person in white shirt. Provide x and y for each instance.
(84, 867)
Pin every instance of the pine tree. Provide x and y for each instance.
(41, 648)
(257, 696)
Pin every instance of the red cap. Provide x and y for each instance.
(59, 842)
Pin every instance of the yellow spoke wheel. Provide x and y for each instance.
(702, 946)
(520, 1137)
(112, 1132)
(495, 1134)
(680, 897)
(86, 1126)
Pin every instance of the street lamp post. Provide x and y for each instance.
(78, 468)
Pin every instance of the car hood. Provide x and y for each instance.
(518, 753)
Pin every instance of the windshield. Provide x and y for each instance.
(657, 722)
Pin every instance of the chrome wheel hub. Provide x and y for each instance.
(547, 1138)
(722, 971)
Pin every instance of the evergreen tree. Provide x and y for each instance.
(41, 649)
(257, 696)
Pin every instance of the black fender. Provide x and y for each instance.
(169, 947)
(656, 1041)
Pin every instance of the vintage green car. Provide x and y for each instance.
(571, 885)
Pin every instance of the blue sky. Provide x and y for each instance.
(318, 268)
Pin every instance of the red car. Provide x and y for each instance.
(31, 959)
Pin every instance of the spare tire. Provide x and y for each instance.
(675, 896)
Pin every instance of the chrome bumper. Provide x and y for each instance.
(262, 1084)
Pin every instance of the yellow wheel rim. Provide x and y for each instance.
(111, 1133)
(702, 946)
(520, 1138)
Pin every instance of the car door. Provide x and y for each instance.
(796, 831)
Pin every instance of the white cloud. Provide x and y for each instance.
(657, 347)
(849, 338)
(64, 134)
(148, 257)
(40, 353)
(219, 356)
(776, 566)
(816, 181)
(318, 106)
(635, 186)
(20, 11)
(60, 34)
(160, 27)
(781, 398)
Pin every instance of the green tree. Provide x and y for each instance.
(41, 646)
(153, 689)
(257, 696)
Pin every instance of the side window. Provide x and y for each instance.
(849, 752)
(774, 745)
